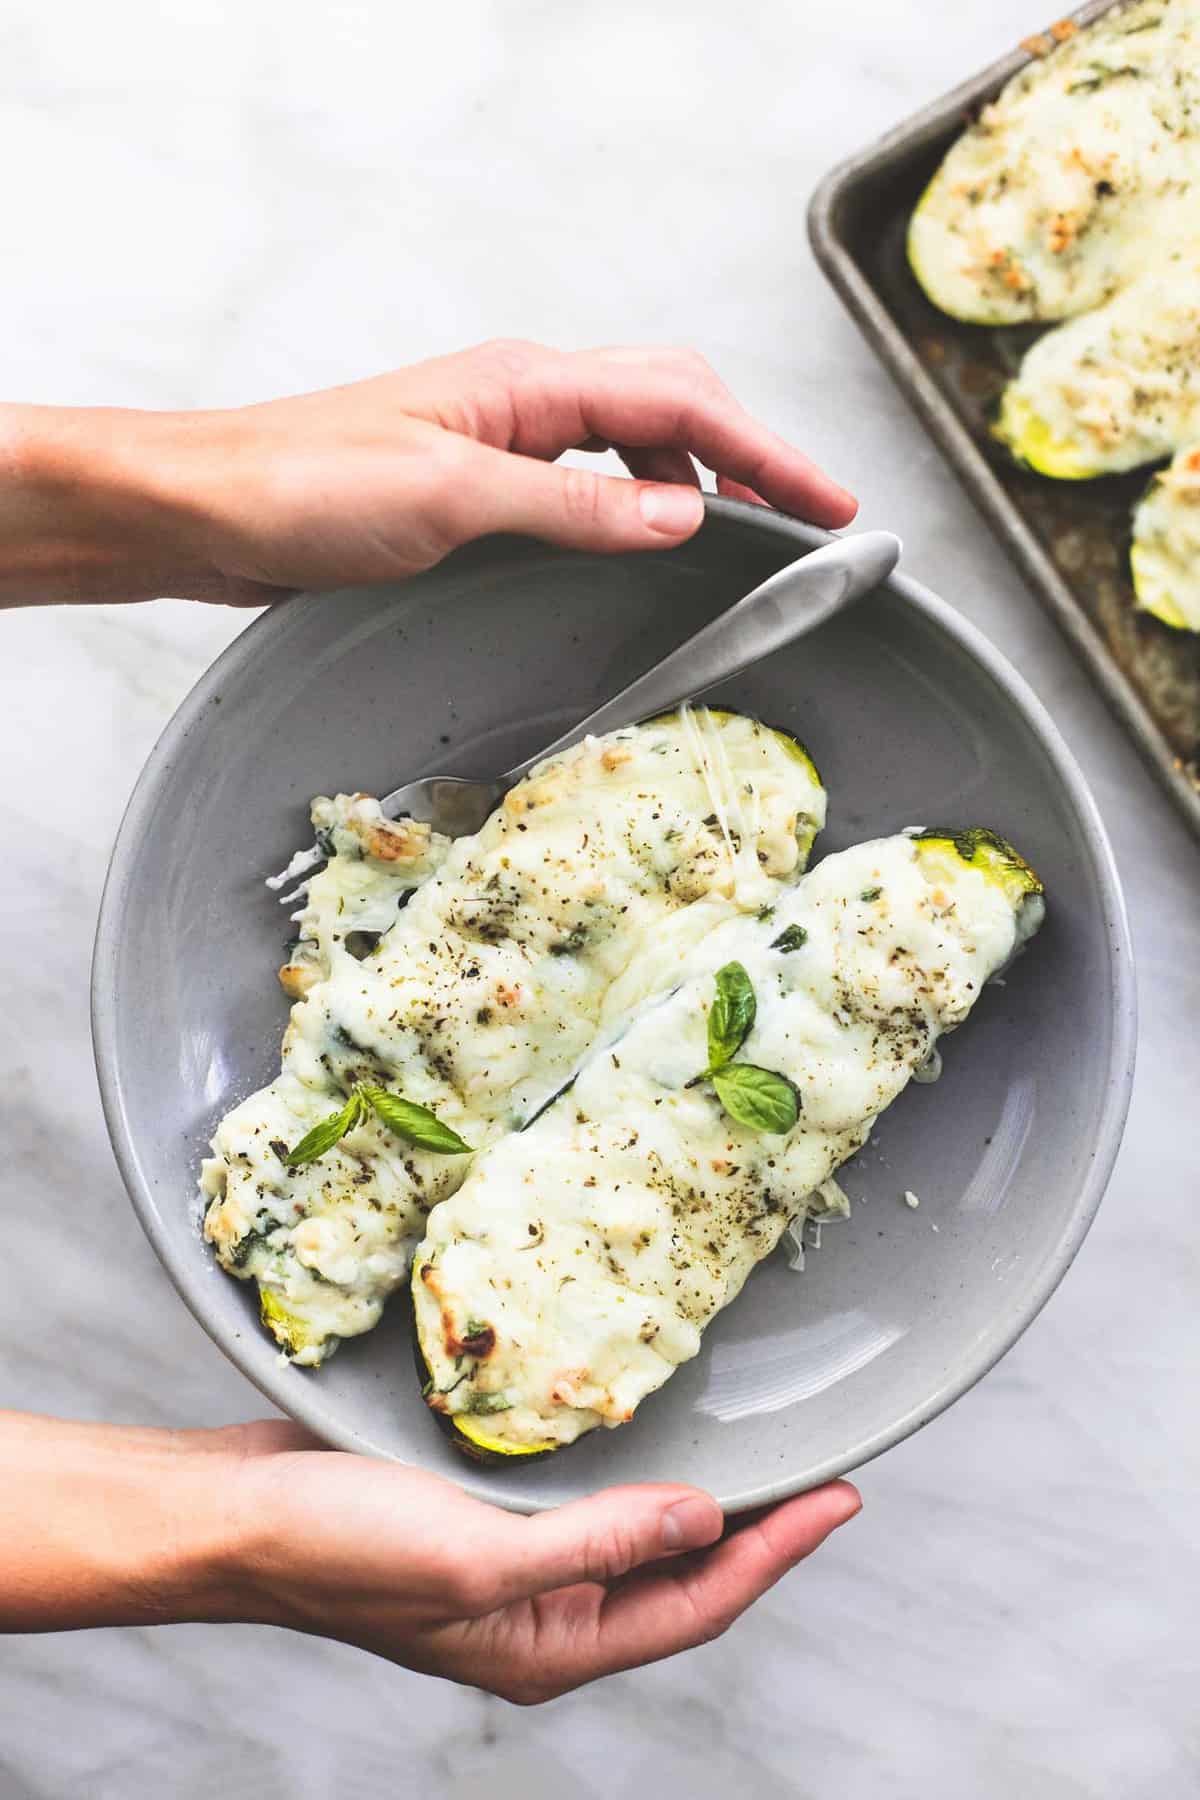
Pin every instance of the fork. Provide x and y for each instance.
(794, 600)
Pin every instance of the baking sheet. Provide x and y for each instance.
(1070, 538)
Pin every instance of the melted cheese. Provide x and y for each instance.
(1060, 191)
(581, 895)
(375, 866)
(582, 1258)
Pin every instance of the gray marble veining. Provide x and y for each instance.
(210, 204)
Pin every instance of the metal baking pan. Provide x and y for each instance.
(1070, 538)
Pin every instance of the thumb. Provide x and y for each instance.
(576, 507)
(603, 1537)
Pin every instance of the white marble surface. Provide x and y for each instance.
(206, 203)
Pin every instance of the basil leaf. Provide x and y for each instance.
(790, 939)
(416, 1123)
(731, 1015)
(757, 1098)
(487, 1403)
(329, 1132)
(870, 893)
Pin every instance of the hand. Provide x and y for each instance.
(111, 1525)
(378, 480)
(408, 1566)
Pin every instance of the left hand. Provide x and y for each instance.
(380, 479)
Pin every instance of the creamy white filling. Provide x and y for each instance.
(583, 893)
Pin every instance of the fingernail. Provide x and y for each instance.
(675, 511)
(690, 1524)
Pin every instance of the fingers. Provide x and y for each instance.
(573, 507)
(581, 509)
(541, 402)
(684, 405)
(660, 464)
(659, 1614)
(599, 1539)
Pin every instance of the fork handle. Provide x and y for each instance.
(790, 602)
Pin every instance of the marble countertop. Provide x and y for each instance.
(207, 204)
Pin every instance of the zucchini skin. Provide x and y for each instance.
(1159, 606)
(290, 1332)
(993, 855)
(1030, 442)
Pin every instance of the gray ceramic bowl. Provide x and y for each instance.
(913, 719)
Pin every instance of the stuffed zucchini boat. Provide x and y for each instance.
(1115, 389)
(444, 989)
(1055, 196)
(582, 1258)
(1165, 557)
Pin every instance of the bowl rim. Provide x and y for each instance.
(305, 1403)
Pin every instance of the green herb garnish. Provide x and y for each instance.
(487, 1403)
(1102, 73)
(757, 1098)
(329, 1132)
(731, 1016)
(415, 1123)
(870, 893)
(792, 938)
